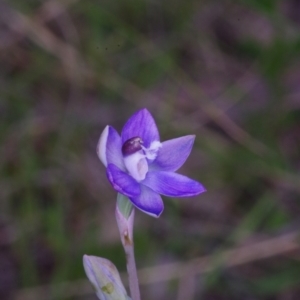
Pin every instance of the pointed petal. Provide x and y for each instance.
(122, 182)
(173, 153)
(109, 148)
(149, 202)
(101, 146)
(172, 184)
(141, 124)
(114, 149)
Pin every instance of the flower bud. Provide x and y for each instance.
(105, 278)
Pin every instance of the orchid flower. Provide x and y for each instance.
(142, 168)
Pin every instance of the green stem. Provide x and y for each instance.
(125, 220)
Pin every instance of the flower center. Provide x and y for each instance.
(152, 151)
(134, 158)
(132, 145)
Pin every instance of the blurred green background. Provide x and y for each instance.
(227, 71)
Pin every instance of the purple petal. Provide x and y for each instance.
(141, 124)
(172, 184)
(113, 149)
(173, 153)
(149, 202)
(122, 182)
(101, 146)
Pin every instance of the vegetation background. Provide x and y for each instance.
(227, 71)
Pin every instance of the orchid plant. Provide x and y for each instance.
(141, 168)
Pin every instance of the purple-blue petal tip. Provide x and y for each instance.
(141, 124)
(149, 202)
(172, 184)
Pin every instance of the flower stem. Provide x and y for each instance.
(125, 220)
(132, 273)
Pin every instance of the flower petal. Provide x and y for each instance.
(122, 182)
(149, 202)
(173, 153)
(141, 124)
(109, 148)
(101, 146)
(172, 184)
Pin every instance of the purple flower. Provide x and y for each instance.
(140, 167)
